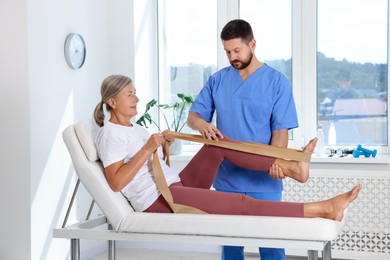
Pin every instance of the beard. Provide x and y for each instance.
(240, 65)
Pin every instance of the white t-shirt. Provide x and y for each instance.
(115, 143)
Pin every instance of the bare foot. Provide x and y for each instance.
(299, 171)
(338, 204)
(304, 166)
(309, 148)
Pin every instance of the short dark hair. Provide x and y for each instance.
(237, 28)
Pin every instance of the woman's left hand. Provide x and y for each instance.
(168, 141)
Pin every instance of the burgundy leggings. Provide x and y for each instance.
(198, 176)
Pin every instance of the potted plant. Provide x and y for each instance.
(177, 113)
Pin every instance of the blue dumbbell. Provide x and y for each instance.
(367, 151)
(357, 154)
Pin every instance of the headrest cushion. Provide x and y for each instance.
(86, 131)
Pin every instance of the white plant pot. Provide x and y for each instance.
(175, 148)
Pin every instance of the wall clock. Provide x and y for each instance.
(75, 51)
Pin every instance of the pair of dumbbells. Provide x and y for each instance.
(340, 152)
(360, 151)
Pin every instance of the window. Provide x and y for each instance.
(187, 47)
(319, 45)
(352, 72)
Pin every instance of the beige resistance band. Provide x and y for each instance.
(267, 150)
(261, 149)
(166, 193)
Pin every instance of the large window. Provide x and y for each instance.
(352, 72)
(333, 51)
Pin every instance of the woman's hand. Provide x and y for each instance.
(168, 141)
(154, 142)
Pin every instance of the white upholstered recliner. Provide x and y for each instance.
(312, 234)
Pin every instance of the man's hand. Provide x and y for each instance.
(276, 172)
(279, 138)
(206, 129)
(209, 131)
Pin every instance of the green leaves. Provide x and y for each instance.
(146, 119)
(177, 110)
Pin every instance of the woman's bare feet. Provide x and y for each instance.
(298, 171)
(304, 166)
(332, 208)
(339, 203)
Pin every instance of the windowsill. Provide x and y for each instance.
(379, 159)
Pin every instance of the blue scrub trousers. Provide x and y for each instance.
(237, 252)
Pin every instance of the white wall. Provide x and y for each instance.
(40, 96)
(15, 155)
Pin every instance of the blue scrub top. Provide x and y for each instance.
(248, 111)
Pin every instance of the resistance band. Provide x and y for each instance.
(261, 149)
(166, 193)
(266, 150)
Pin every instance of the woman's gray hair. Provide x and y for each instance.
(110, 88)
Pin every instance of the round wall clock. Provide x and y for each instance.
(75, 51)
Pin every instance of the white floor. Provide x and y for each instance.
(146, 254)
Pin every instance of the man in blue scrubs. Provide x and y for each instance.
(254, 103)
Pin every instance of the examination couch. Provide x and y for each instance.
(119, 222)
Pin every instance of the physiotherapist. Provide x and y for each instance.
(253, 103)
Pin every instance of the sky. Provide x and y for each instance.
(192, 39)
(356, 30)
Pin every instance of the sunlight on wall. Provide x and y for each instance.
(53, 195)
